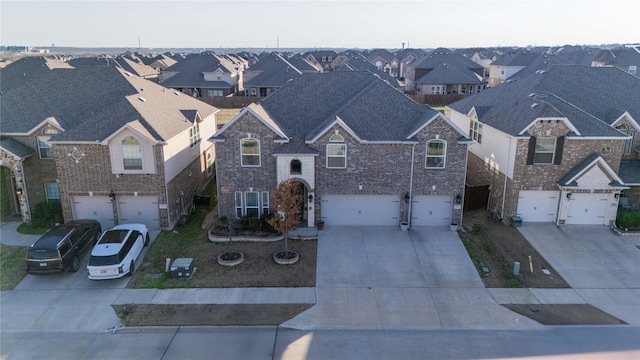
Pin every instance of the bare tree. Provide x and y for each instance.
(286, 203)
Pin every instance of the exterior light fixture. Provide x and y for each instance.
(569, 196)
(310, 197)
(19, 191)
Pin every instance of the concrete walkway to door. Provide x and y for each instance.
(384, 278)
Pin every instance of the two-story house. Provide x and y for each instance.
(625, 59)
(550, 145)
(106, 145)
(518, 64)
(272, 72)
(361, 151)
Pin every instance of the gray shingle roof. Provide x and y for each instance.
(15, 147)
(582, 165)
(585, 95)
(91, 103)
(448, 74)
(629, 172)
(445, 56)
(374, 110)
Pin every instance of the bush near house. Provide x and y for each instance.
(628, 219)
(47, 214)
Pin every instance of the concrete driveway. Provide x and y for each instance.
(384, 278)
(602, 267)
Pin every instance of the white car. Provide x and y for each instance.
(116, 252)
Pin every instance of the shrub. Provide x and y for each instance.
(628, 219)
(47, 214)
(254, 223)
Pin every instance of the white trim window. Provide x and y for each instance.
(44, 147)
(209, 158)
(545, 150)
(436, 154)
(265, 202)
(475, 131)
(250, 152)
(336, 156)
(52, 192)
(131, 153)
(252, 204)
(239, 204)
(194, 134)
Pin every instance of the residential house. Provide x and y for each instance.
(361, 152)
(16, 73)
(105, 144)
(357, 62)
(405, 57)
(577, 55)
(550, 145)
(204, 75)
(272, 72)
(383, 59)
(326, 60)
(519, 64)
(445, 72)
(625, 59)
(158, 62)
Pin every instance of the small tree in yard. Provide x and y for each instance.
(286, 203)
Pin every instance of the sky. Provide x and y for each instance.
(318, 24)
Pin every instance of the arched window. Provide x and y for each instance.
(131, 153)
(250, 152)
(295, 167)
(336, 138)
(436, 154)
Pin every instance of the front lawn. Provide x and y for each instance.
(12, 266)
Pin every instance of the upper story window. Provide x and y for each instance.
(44, 147)
(194, 134)
(475, 131)
(295, 167)
(209, 163)
(624, 128)
(545, 149)
(131, 153)
(336, 156)
(250, 152)
(436, 154)
(324, 59)
(633, 69)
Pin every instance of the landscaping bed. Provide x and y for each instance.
(496, 247)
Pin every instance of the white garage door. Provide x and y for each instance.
(431, 210)
(360, 210)
(538, 206)
(587, 209)
(139, 209)
(94, 207)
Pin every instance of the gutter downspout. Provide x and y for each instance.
(413, 148)
(464, 188)
(506, 175)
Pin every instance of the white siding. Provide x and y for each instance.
(178, 152)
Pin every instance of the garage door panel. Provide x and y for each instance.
(360, 210)
(538, 205)
(139, 209)
(94, 207)
(431, 210)
(587, 209)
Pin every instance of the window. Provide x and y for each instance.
(251, 204)
(324, 59)
(209, 163)
(44, 147)
(295, 167)
(330, 58)
(475, 131)
(633, 69)
(336, 156)
(250, 152)
(239, 206)
(212, 93)
(253, 91)
(131, 153)
(545, 147)
(436, 154)
(52, 192)
(265, 202)
(624, 128)
(194, 134)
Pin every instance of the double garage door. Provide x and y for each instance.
(542, 206)
(384, 210)
(131, 209)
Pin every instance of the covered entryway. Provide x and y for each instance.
(361, 210)
(139, 209)
(589, 209)
(431, 210)
(538, 205)
(94, 207)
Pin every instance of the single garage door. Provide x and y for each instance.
(431, 210)
(587, 209)
(94, 207)
(139, 209)
(538, 205)
(360, 210)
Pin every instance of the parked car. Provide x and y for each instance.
(62, 247)
(116, 252)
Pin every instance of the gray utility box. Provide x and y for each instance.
(182, 268)
(516, 221)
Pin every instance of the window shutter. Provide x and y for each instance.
(559, 147)
(532, 150)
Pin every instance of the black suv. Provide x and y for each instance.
(62, 246)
